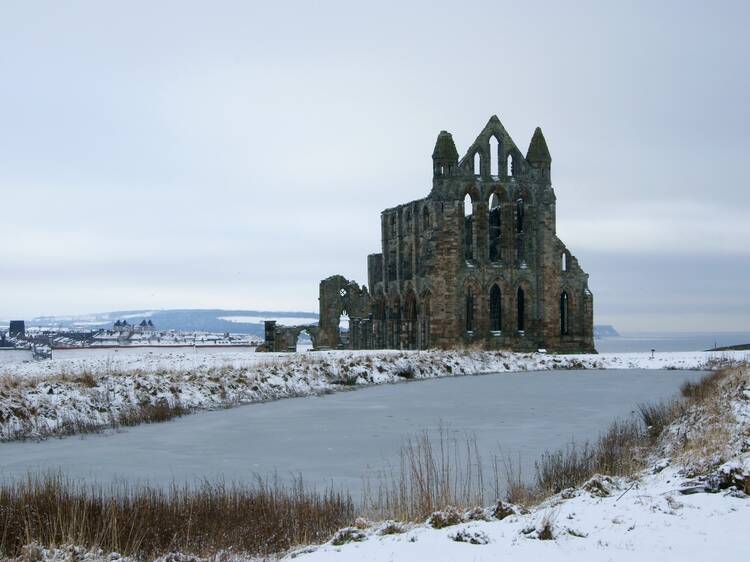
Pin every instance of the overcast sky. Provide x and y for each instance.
(231, 154)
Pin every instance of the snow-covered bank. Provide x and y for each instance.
(691, 503)
(44, 398)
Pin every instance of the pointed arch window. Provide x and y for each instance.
(496, 309)
(564, 320)
(509, 164)
(520, 310)
(565, 261)
(468, 228)
(494, 156)
(520, 215)
(477, 164)
(494, 228)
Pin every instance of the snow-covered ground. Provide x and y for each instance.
(688, 506)
(637, 521)
(49, 397)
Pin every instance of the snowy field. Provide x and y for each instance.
(97, 387)
(102, 361)
(636, 521)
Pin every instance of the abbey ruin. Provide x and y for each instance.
(477, 262)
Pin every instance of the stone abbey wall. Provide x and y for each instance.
(476, 262)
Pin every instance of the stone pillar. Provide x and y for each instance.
(270, 334)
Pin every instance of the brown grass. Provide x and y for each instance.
(432, 474)
(704, 389)
(435, 473)
(265, 518)
(623, 448)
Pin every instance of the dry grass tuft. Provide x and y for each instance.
(146, 521)
(432, 474)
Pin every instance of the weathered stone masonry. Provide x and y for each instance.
(476, 262)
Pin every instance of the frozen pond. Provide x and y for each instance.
(340, 437)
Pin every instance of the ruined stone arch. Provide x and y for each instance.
(338, 294)
(477, 161)
(566, 260)
(507, 303)
(514, 162)
(471, 305)
(496, 308)
(573, 308)
(497, 202)
(470, 200)
(564, 313)
(523, 224)
(496, 154)
(522, 307)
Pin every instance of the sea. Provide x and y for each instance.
(669, 341)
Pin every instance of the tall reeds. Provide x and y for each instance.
(264, 518)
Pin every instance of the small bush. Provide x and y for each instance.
(546, 531)
(392, 528)
(703, 389)
(86, 379)
(406, 372)
(470, 537)
(658, 415)
(503, 509)
(349, 534)
(446, 518)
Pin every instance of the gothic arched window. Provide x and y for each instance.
(494, 156)
(564, 314)
(468, 228)
(494, 228)
(496, 309)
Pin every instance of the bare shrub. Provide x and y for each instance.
(446, 518)
(392, 528)
(150, 413)
(431, 475)
(546, 531)
(702, 390)
(87, 379)
(470, 537)
(658, 415)
(406, 372)
(146, 521)
(349, 534)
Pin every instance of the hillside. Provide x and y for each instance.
(206, 320)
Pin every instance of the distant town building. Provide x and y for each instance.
(17, 329)
(124, 326)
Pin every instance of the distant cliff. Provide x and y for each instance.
(605, 331)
